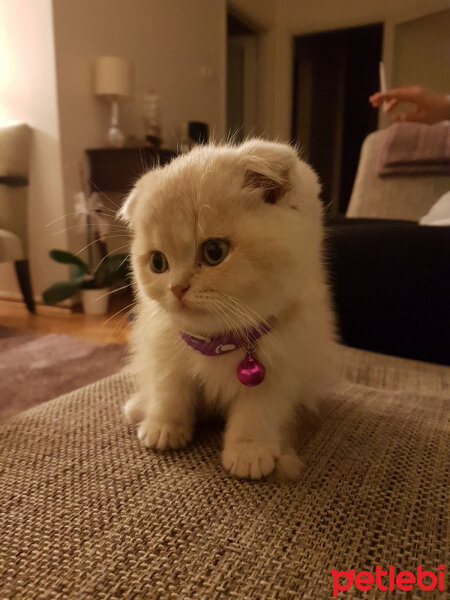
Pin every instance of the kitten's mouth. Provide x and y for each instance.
(185, 306)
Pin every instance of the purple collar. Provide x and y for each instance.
(228, 342)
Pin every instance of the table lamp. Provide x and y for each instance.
(113, 81)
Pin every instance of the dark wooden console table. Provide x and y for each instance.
(114, 171)
(117, 169)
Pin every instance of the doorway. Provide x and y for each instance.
(242, 79)
(335, 72)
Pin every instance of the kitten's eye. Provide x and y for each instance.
(214, 251)
(158, 262)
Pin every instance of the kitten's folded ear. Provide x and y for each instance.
(126, 211)
(267, 167)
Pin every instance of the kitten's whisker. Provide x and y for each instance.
(248, 309)
(249, 324)
(102, 193)
(231, 312)
(83, 225)
(98, 212)
(258, 323)
(113, 291)
(121, 325)
(112, 252)
(124, 260)
(223, 315)
(238, 330)
(229, 319)
(118, 312)
(107, 237)
(229, 325)
(244, 311)
(123, 321)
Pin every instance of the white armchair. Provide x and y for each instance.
(402, 197)
(14, 167)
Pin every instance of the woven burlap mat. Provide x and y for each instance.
(86, 512)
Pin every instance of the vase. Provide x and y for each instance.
(95, 302)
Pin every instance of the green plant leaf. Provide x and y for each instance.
(78, 274)
(67, 258)
(113, 268)
(60, 291)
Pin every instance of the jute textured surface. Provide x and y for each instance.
(86, 512)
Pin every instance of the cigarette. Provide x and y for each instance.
(383, 86)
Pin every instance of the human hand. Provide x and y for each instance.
(430, 107)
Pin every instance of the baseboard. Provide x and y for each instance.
(17, 297)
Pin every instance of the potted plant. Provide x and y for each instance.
(93, 283)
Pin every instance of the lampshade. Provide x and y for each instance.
(112, 76)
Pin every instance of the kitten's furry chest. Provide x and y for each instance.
(216, 375)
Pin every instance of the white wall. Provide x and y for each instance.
(28, 94)
(168, 43)
(422, 52)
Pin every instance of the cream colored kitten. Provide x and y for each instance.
(227, 239)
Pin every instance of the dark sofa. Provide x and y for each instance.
(391, 286)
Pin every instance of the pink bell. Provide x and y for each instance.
(251, 372)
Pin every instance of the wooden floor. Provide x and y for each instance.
(110, 329)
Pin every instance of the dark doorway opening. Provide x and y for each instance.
(334, 74)
(242, 78)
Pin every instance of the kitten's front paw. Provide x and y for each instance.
(163, 435)
(250, 459)
(134, 409)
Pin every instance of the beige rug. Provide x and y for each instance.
(35, 368)
(87, 513)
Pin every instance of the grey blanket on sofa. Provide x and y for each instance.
(86, 512)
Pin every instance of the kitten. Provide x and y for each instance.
(227, 252)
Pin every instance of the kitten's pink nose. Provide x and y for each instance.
(179, 290)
